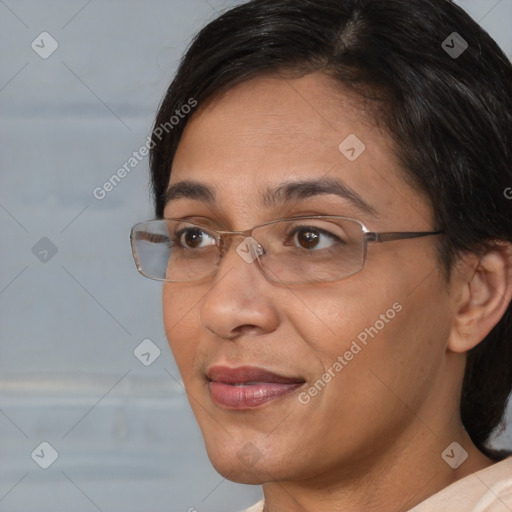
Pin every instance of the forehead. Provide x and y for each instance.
(271, 130)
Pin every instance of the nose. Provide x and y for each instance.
(241, 301)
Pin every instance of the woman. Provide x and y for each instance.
(336, 254)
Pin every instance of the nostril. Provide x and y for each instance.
(246, 329)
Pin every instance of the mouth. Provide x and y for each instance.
(248, 387)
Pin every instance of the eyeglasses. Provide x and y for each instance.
(290, 251)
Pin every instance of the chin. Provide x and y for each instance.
(242, 475)
(238, 461)
(247, 465)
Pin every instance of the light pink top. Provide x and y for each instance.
(488, 490)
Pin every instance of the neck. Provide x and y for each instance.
(392, 484)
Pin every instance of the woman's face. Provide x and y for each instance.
(356, 356)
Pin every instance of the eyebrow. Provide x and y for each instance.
(284, 193)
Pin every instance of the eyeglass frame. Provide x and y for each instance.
(221, 235)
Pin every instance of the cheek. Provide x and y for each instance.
(373, 327)
(181, 324)
(331, 317)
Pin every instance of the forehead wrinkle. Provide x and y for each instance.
(299, 190)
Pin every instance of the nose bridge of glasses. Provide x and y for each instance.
(252, 246)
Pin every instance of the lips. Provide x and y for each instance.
(247, 387)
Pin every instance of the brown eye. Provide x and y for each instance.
(193, 238)
(311, 238)
(307, 239)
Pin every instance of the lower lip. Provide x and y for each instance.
(249, 397)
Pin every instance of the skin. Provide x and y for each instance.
(372, 438)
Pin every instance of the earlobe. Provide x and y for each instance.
(485, 292)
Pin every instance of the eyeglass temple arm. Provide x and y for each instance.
(387, 237)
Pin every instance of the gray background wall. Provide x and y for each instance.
(72, 306)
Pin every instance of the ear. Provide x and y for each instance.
(482, 291)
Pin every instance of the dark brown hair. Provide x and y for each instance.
(450, 116)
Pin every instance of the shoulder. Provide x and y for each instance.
(258, 507)
(488, 490)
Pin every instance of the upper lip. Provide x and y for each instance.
(246, 374)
